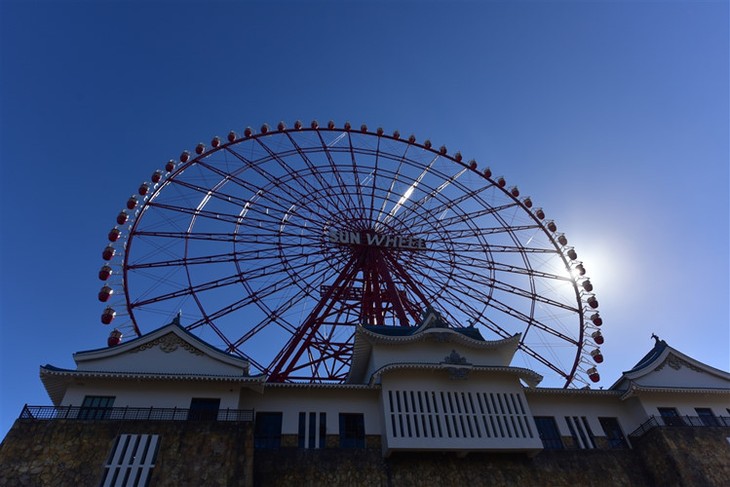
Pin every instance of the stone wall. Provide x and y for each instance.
(300, 468)
(662, 457)
(65, 452)
(71, 452)
(686, 456)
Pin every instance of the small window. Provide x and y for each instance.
(302, 432)
(581, 432)
(312, 431)
(614, 434)
(671, 417)
(707, 417)
(96, 407)
(352, 430)
(267, 433)
(549, 433)
(131, 461)
(322, 429)
(204, 408)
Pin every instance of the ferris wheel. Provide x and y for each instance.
(275, 244)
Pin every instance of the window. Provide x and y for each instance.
(96, 407)
(204, 408)
(267, 433)
(581, 432)
(352, 430)
(312, 434)
(671, 417)
(613, 432)
(549, 433)
(131, 461)
(707, 417)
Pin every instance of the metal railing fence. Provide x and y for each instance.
(689, 421)
(134, 414)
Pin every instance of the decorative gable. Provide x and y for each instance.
(168, 350)
(667, 368)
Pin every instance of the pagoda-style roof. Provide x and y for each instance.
(381, 348)
(665, 369)
(150, 353)
(169, 353)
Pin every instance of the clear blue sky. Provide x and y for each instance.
(613, 116)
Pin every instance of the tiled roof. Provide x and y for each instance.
(403, 331)
(653, 354)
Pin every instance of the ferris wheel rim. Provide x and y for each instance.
(426, 146)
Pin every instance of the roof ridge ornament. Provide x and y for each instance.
(432, 319)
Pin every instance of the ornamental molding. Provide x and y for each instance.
(455, 358)
(677, 363)
(461, 371)
(168, 343)
(529, 376)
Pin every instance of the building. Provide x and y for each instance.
(427, 405)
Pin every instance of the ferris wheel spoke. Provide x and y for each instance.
(217, 194)
(471, 274)
(498, 305)
(223, 217)
(374, 180)
(348, 204)
(254, 190)
(413, 210)
(271, 316)
(395, 179)
(444, 224)
(356, 176)
(260, 224)
(184, 261)
(484, 263)
(206, 236)
(272, 288)
(501, 267)
(461, 305)
(250, 274)
(516, 291)
(406, 196)
(227, 237)
(508, 249)
(545, 362)
(301, 181)
(215, 284)
(448, 204)
(272, 181)
(457, 233)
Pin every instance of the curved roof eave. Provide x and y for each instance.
(530, 377)
(657, 356)
(177, 329)
(635, 388)
(428, 333)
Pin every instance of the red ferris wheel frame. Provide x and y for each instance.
(287, 239)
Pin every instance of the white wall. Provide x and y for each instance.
(560, 405)
(144, 394)
(685, 403)
(293, 400)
